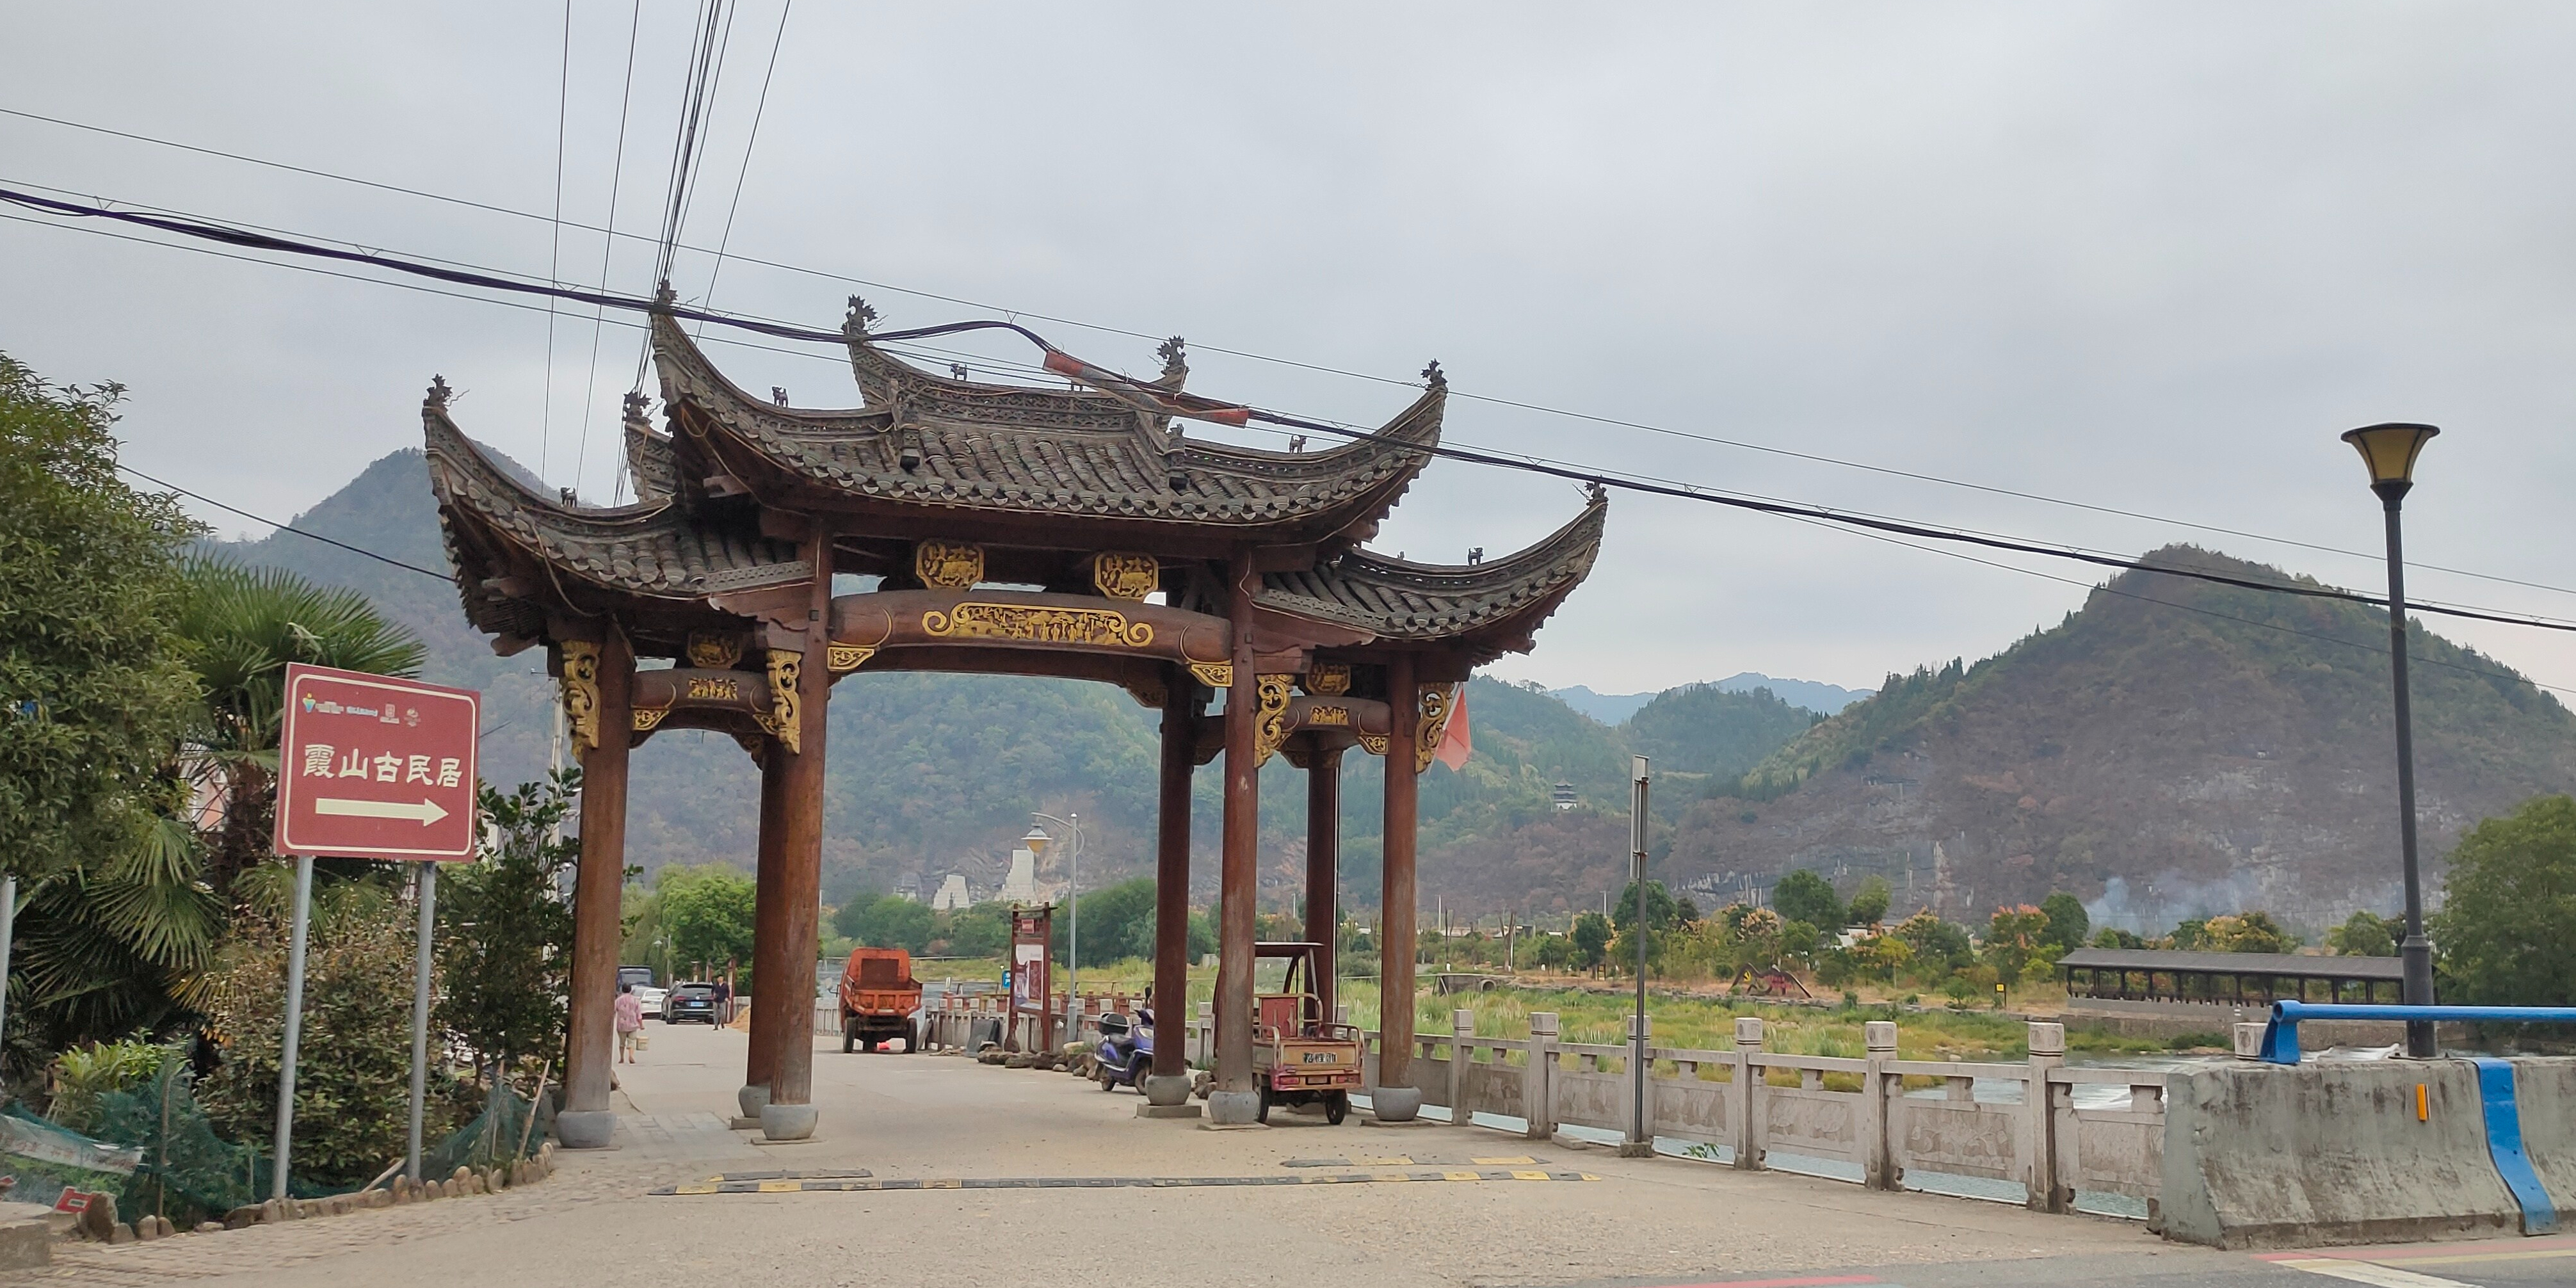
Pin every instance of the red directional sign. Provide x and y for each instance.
(373, 767)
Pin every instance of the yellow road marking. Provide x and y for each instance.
(782, 1187)
(1505, 1160)
(701, 1187)
(1529, 1176)
(1459, 1176)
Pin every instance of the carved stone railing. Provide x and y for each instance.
(1751, 1103)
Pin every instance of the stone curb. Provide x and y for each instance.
(99, 1224)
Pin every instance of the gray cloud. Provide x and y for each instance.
(2152, 257)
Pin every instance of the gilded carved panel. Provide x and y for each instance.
(1025, 624)
(1270, 718)
(581, 691)
(948, 565)
(1126, 576)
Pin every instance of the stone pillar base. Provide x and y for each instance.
(1636, 1149)
(1167, 1111)
(1167, 1090)
(750, 1098)
(787, 1122)
(1233, 1108)
(1395, 1104)
(585, 1128)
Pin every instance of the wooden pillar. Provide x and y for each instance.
(590, 1045)
(769, 932)
(800, 865)
(1323, 858)
(1396, 894)
(1238, 869)
(1172, 874)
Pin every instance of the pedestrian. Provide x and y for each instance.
(724, 998)
(630, 1022)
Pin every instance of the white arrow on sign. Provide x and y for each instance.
(427, 811)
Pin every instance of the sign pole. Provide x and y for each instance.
(294, 1022)
(8, 938)
(428, 879)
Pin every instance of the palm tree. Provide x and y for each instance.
(120, 941)
(246, 625)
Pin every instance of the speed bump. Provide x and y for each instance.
(816, 1184)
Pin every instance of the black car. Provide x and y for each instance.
(691, 1003)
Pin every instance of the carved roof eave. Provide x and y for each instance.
(518, 552)
(1487, 608)
(853, 457)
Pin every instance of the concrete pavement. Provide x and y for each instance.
(902, 1119)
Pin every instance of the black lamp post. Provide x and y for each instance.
(2389, 451)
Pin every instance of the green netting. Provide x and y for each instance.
(494, 1137)
(157, 1153)
(184, 1171)
(46, 1159)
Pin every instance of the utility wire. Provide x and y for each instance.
(758, 110)
(1321, 368)
(554, 244)
(607, 245)
(1152, 398)
(287, 527)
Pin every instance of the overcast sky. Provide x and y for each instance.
(2148, 257)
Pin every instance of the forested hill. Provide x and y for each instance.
(930, 774)
(2175, 748)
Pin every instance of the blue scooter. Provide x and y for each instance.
(1126, 1051)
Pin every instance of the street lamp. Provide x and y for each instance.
(2389, 451)
(1037, 841)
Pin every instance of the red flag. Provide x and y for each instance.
(1455, 745)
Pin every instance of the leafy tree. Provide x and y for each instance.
(1939, 946)
(984, 931)
(2187, 934)
(353, 1073)
(95, 697)
(1804, 896)
(2507, 903)
(1592, 940)
(886, 921)
(2067, 923)
(1884, 957)
(2244, 932)
(1869, 903)
(2013, 936)
(2108, 937)
(1663, 912)
(2365, 934)
(93, 686)
(505, 927)
(1118, 923)
(244, 625)
(708, 912)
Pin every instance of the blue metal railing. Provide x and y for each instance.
(2281, 1033)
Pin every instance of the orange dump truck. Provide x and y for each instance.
(879, 998)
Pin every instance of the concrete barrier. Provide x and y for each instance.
(2263, 1155)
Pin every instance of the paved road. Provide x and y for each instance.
(936, 1171)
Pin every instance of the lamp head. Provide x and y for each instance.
(1036, 840)
(2389, 451)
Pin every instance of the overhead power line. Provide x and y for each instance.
(288, 527)
(1321, 368)
(1155, 398)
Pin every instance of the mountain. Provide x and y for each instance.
(1615, 708)
(929, 774)
(2174, 748)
